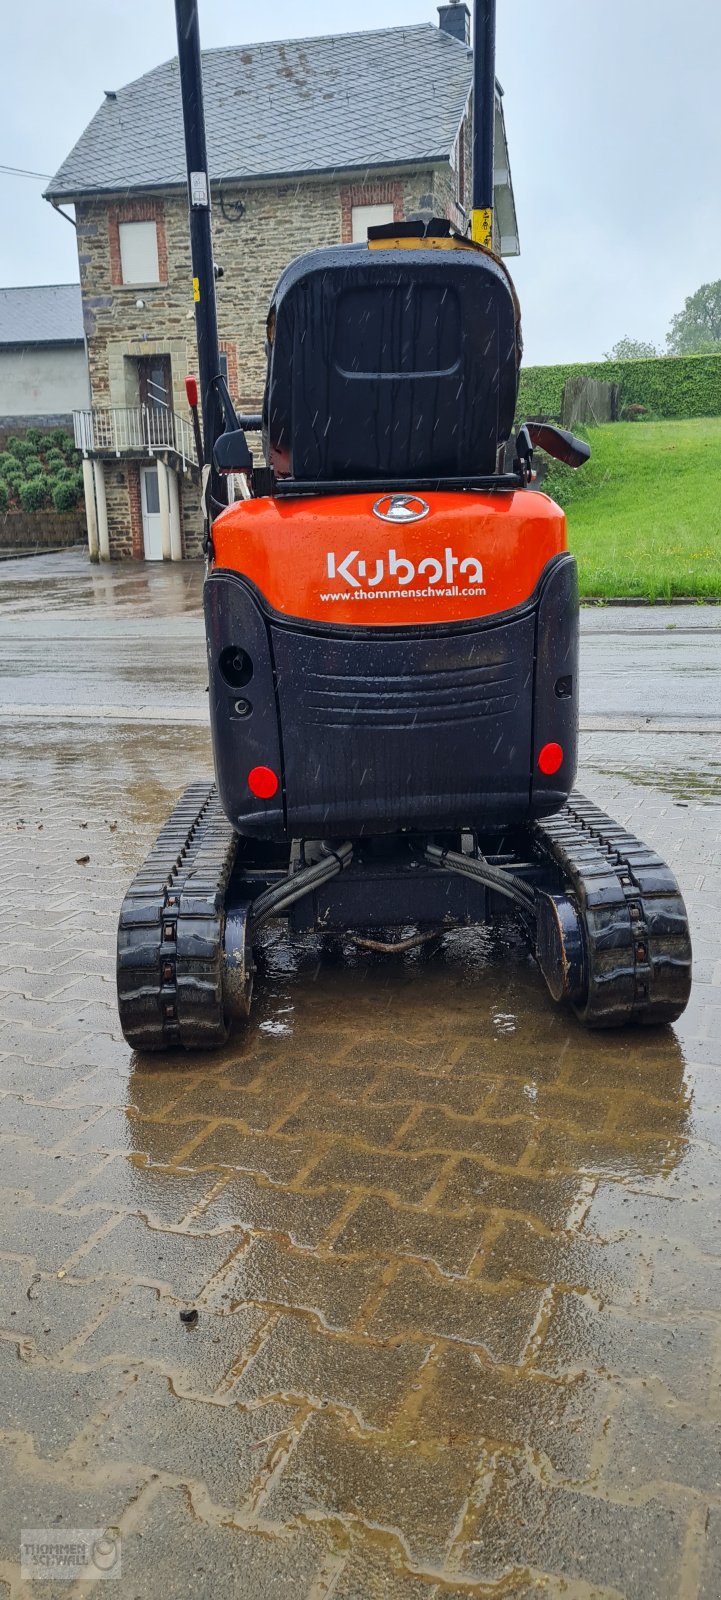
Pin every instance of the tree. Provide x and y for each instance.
(631, 350)
(697, 329)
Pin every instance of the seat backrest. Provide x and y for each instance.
(390, 364)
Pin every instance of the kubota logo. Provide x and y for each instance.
(354, 569)
(401, 508)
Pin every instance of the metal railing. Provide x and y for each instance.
(106, 430)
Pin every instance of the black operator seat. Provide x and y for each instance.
(393, 359)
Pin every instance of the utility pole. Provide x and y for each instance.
(201, 243)
(484, 118)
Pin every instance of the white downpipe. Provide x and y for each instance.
(90, 512)
(102, 505)
(176, 540)
(164, 501)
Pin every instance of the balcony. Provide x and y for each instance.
(133, 431)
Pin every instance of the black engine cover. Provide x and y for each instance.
(381, 730)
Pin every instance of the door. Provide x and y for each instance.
(156, 399)
(150, 502)
(154, 382)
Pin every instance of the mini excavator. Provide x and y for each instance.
(392, 629)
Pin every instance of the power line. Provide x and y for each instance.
(22, 172)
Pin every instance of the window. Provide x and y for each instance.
(223, 359)
(139, 252)
(365, 217)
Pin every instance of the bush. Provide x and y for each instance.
(668, 386)
(64, 494)
(634, 413)
(33, 437)
(12, 470)
(34, 494)
(34, 467)
(55, 461)
(4, 497)
(47, 442)
(21, 449)
(64, 441)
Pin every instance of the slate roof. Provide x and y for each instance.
(348, 101)
(49, 313)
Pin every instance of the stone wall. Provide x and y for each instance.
(42, 530)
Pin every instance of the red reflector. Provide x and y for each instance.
(550, 758)
(191, 390)
(263, 783)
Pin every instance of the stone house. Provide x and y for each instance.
(309, 142)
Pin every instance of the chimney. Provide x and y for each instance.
(456, 20)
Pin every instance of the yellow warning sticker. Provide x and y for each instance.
(482, 227)
(196, 289)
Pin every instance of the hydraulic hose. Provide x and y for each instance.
(495, 878)
(276, 900)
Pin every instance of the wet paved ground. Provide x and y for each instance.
(457, 1263)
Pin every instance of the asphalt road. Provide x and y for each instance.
(129, 645)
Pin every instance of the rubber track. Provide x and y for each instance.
(170, 933)
(638, 946)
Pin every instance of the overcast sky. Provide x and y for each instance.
(613, 111)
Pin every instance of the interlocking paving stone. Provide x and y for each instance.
(632, 1550)
(42, 1176)
(297, 1360)
(200, 1558)
(199, 1441)
(682, 1281)
(616, 1210)
(48, 1311)
(373, 1125)
(254, 1204)
(583, 1334)
(608, 1268)
(381, 1228)
(160, 1193)
(31, 1496)
(437, 1129)
(408, 1177)
(228, 1146)
(332, 1473)
(546, 1200)
(179, 1261)
(653, 1442)
(470, 1250)
(45, 1125)
(468, 1399)
(143, 1327)
(50, 1237)
(334, 1289)
(497, 1320)
(51, 1404)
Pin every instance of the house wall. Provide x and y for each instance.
(278, 222)
(43, 380)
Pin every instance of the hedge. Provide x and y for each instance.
(668, 386)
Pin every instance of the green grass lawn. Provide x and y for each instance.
(644, 515)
